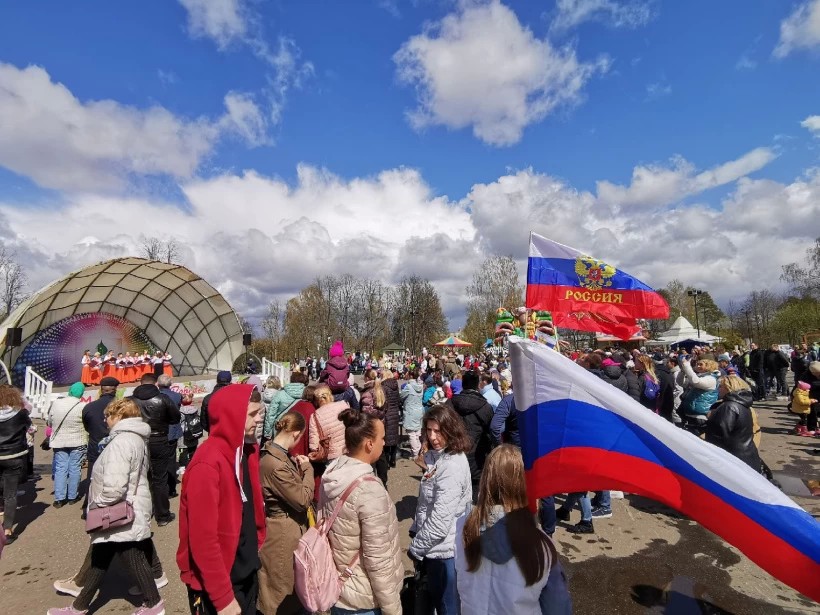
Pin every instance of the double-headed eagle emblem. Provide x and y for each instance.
(593, 274)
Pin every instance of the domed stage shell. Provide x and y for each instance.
(139, 305)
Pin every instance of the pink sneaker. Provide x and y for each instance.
(66, 610)
(157, 609)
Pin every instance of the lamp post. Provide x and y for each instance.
(694, 293)
(748, 327)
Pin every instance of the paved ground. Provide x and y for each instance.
(646, 559)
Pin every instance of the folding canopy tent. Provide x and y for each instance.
(682, 331)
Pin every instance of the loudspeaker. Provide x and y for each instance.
(246, 339)
(14, 337)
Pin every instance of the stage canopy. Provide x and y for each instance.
(683, 331)
(140, 305)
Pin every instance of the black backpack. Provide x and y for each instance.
(193, 426)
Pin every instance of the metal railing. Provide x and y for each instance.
(269, 368)
(37, 391)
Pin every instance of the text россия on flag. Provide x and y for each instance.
(586, 293)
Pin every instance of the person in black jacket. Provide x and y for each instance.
(160, 413)
(777, 365)
(391, 417)
(14, 424)
(757, 370)
(730, 425)
(223, 379)
(666, 394)
(477, 413)
(96, 425)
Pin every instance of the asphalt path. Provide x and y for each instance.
(645, 559)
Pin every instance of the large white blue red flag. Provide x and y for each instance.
(579, 433)
(585, 293)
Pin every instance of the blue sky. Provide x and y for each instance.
(609, 88)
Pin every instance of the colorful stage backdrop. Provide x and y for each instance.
(55, 352)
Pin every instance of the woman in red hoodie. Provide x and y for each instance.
(221, 512)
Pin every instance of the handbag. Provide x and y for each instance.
(102, 518)
(46, 443)
(324, 444)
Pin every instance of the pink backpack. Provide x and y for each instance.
(317, 582)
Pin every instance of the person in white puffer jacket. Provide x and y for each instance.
(121, 473)
(504, 563)
(445, 495)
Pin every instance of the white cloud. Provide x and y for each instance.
(812, 124)
(657, 186)
(63, 143)
(223, 21)
(657, 90)
(256, 237)
(230, 23)
(245, 118)
(800, 30)
(167, 77)
(632, 14)
(745, 63)
(289, 72)
(480, 67)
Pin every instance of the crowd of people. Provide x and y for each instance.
(311, 457)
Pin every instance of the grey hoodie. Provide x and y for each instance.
(498, 587)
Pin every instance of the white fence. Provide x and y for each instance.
(269, 368)
(38, 392)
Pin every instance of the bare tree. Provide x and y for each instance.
(496, 284)
(154, 249)
(804, 280)
(151, 248)
(170, 251)
(13, 282)
(272, 322)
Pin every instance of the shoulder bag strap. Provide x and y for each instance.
(319, 427)
(65, 416)
(348, 571)
(139, 472)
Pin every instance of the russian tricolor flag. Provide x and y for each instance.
(585, 293)
(579, 433)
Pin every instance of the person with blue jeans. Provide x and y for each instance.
(582, 499)
(601, 505)
(445, 495)
(69, 441)
(504, 429)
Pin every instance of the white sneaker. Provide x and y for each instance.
(68, 586)
(616, 495)
(161, 582)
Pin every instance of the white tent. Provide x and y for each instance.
(683, 331)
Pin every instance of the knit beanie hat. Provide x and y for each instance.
(803, 386)
(337, 350)
(77, 389)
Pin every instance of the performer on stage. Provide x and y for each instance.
(130, 367)
(120, 368)
(85, 376)
(146, 364)
(167, 369)
(156, 362)
(109, 364)
(96, 369)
